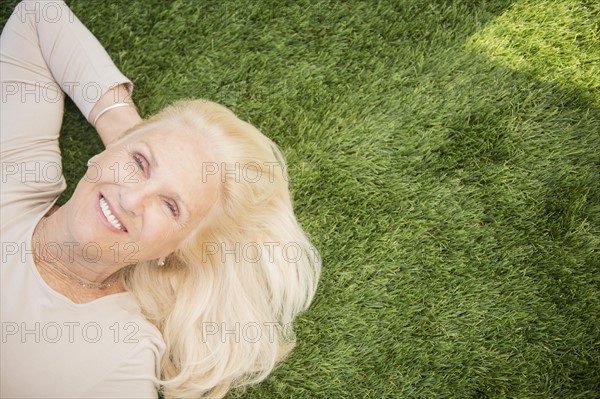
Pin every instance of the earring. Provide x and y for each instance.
(160, 262)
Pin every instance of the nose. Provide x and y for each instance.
(133, 199)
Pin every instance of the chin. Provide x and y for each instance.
(81, 230)
(82, 225)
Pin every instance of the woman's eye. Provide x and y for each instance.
(173, 208)
(139, 161)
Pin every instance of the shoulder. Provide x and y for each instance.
(136, 374)
(136, 364)
(105, 348)
(128, 321)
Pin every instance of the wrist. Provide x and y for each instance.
(113, 123)
(114, 114)
(109, 108)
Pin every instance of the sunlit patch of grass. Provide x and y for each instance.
(555, 40)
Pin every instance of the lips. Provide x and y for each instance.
(110, 215)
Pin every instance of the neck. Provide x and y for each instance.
(57, 249)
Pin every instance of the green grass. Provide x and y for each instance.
(444, 158)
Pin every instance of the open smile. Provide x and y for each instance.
(110, 217)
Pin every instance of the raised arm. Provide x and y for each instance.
(48, 47)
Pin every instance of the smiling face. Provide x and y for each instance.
(143, 195)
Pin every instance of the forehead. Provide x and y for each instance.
(178, 160)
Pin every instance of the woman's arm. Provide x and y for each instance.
(114, 122)
(45, 55)
(69, 56)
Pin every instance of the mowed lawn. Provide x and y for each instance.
(444, 158)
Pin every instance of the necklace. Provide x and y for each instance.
(78, 280)
(55, 265)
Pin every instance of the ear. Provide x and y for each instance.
(91, 161)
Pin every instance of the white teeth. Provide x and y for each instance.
(109, 216)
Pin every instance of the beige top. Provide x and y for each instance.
(50, 346)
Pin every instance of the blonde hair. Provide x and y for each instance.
(225, 300)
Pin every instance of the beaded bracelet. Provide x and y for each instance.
(117, 105)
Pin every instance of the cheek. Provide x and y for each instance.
(159, 237)
(110, 166)
(152, 250)
(82, 207)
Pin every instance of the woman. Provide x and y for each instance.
(177, 264)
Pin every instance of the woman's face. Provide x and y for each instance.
(143, 196)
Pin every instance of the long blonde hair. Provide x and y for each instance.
(225, 300)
